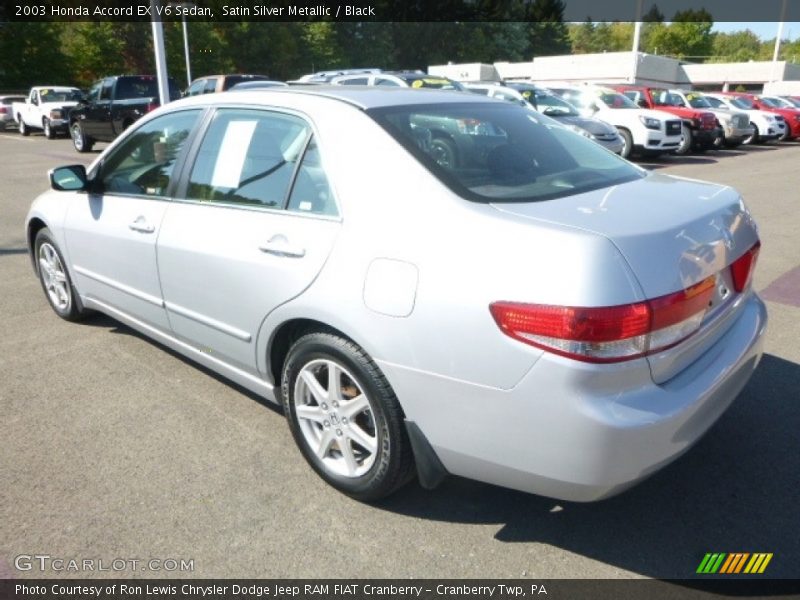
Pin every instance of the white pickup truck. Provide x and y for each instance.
(46, 108)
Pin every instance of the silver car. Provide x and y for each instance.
(540, 314)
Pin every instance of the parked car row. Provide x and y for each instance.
(629, 120)
(682, 121)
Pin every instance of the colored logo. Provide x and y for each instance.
(736, 562)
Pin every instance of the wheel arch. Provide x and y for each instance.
(35, 225)
(285, 335)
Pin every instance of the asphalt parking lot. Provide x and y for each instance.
(114, 448)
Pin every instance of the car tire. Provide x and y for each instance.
(353, 435)
(80, 140)
(685, 147)
(49, 132)
(444, 152)
(749, 141)
(787, 134)
(54, 277)
(23, 129)
(719, 142)
(627, 143)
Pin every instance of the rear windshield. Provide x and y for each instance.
(502, 152)
(142, 87)
(232, 80)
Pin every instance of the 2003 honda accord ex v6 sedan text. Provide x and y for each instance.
(533, 311)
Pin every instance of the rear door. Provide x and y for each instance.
(255, 225)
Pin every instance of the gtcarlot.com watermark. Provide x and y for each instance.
(46, 563)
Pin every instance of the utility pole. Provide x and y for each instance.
(160, 53)
(637, 32)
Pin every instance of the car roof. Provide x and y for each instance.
(364, 97)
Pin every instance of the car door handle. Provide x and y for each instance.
(141, 225)
(280, 246)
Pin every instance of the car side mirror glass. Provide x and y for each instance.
(642, 103)
(71, 178)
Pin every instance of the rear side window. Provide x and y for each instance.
(248, 157)
(501, 152)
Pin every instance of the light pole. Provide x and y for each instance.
(185, 5)
(186, 50)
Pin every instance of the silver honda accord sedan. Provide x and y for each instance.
(533, 312)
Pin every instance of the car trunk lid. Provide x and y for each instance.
(674, 233)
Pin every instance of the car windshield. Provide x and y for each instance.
(775, 102)
(742, 102)
(68, 95)
(698, 101)
(502, 152)
(437, 83)
(551, 105)
(715, 102)
(615, 100)
(793, 101)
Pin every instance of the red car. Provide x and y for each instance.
(790, 115)
(700, 128)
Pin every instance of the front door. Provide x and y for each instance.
(111, 231)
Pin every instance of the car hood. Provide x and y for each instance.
(673, 232)
(593, 126)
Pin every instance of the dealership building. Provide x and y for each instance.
(779, 77)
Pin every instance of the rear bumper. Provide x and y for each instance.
(576, 431)
(615, 145)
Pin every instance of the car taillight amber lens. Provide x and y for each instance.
(743, 267)
(611, 333)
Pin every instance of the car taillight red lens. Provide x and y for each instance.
(743, 267)
(610, 333)
(152, 106)
(3, 110)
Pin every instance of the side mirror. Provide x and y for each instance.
(68, 179)
(642, 103)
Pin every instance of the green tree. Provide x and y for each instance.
(735, 47)
(30, 51)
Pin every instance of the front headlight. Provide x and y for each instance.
(650, 122)
(580, 131)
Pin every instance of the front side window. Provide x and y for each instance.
(143, 164)
(502, 152)
(94, 92)
(210, 87)
(248, 157)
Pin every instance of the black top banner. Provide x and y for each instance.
(398, 10)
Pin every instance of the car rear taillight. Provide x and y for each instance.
(743, 267)
(3, 110)
(151, 106)
(610, 333)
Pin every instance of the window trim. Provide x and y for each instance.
(180, 161)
